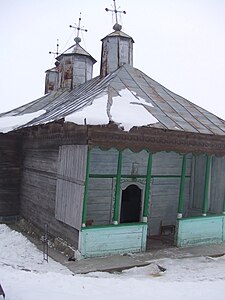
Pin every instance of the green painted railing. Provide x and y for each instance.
(84, 212)
(117, 191)
(182, 188)
(206, 186)
(147, 188)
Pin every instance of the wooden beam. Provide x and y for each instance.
(86, 188)
(182, 188)
(147, 188)
(224, 204)
(117, 191)
(206, 186)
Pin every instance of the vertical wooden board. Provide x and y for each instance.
(72, 161)
(70, 184)
(163, 203)
(217, 189)
(189, 159)
(199, 181)
(69, 200)
(223, 229)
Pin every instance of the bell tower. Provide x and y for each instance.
(117, 47)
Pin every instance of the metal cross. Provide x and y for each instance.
(57, 49)
(116, 11)
(78, 27)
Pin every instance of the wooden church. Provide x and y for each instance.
(113, 161)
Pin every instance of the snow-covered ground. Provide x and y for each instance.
(25, 276)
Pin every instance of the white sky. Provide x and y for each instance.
(179, 43)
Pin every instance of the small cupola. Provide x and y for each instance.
(75, 66)
(52, 79)
(117, 48)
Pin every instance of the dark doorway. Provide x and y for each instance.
(130, 204)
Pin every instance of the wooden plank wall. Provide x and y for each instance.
(108, 240)
(198, 184)
(99, 206)
(165, 184)
(9, 176)
(103, 162)
(217, 185)
(217, 190)
(164, 196)
(200, 231)
(38, 191)
(70, 184)
(134, 163)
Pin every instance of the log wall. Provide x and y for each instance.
(9, 176)
(38, 191)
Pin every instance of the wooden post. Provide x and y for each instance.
(117, 191)
(147, 188)
(224, 204)
(206, 186)
(182, 188)
(86, 189)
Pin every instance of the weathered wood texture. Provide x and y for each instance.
(9, 175)
(200, 231)
(217, 189)
(155, 140)
(113, 240)
(103, 162)
(100, 200)
(216, 184)
(164, 195)
(198, 182)
(38, 191)
(134, 163)
(165, 184)
(70, 184)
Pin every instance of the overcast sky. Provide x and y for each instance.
(179, 43)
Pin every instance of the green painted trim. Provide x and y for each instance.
(111, 225)
(199, 217)
(102, 148)
(115, 175)
(84, 212)
(117, 191)
(147, 186)
(134, 176)
(224, 204)
(169, 176)
(102, 176)
(182, 186)
(206, 185)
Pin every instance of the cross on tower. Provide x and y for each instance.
(79, 28)
(57, 49)
(116, 11)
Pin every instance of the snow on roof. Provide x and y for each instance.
(125, 110)
(9, 123)
(127, 97)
